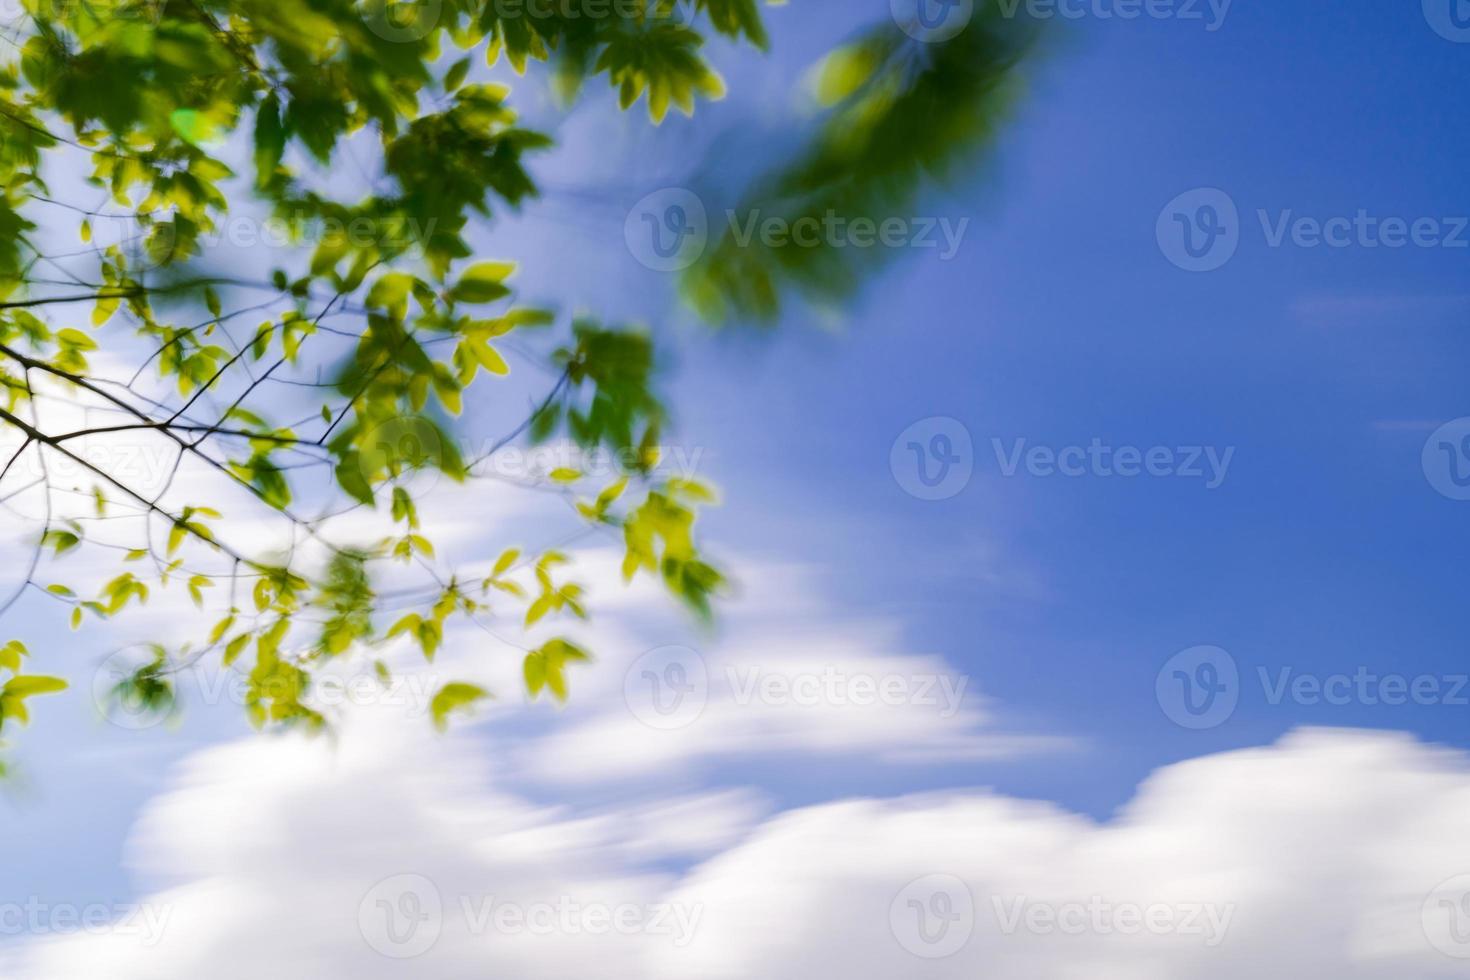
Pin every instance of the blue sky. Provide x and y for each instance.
(1059, 321)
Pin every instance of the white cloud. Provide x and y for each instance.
(1317, 854)
(1313, 857)
(815, 689)
(784, 675)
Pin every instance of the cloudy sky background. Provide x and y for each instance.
(1327, 837)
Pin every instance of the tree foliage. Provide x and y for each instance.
(179, 113)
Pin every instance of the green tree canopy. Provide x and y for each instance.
(180, 113)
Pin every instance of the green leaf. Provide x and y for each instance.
(351, 479)
(488, 357)
(534, 669)
(11, 655)
(454, 697)
(503, 563)
(25, 687)
(391, 293)
(62, 541)
(456, 75)
(483, 283)
(76, 339)
(234, 648)
(546, 668)
(270, 138)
